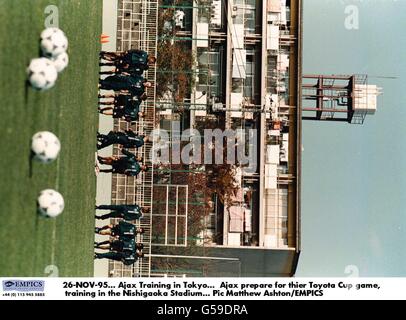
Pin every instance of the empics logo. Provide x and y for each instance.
(26, 285)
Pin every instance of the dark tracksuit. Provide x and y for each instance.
(122, 82)
(124, 211)
(131, 170)
(124, 257)
(123, 245)
(137, 89)
(124, 100)
(128, 139)
(124, 230)
(129, 111)
(127, 165)
(136, 57)
(133, 70)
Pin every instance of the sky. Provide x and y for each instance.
(354, 176)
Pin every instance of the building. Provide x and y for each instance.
(247, 72)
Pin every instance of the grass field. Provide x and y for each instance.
(30, 243)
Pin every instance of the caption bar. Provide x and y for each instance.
(199, 289)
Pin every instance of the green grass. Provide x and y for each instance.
(29, 243)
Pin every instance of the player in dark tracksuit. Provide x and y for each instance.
(120, 245)
(131, 62)
(129, 169)
(122, 230)
(135, 85)
(135, 57)
(128, 139)
(138, 88)
(125, 257)
(127, 165)
(125, 68)
(129, 157)
(120, 99)
(132, 57)
(129, 113)
(125, 211)
(128, 109)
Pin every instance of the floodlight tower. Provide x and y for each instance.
(347, 98)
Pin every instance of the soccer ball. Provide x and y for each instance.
(45, 146)
(61, 61)
(53, 42)
(42, 73)
(50, 203)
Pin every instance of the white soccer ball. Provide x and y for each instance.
(45, 146)
(50, 203)
(53, 42)
(61, 61)
(42, 73)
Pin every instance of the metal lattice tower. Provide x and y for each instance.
(346, 98)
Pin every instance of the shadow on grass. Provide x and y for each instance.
(36, 223)
(37, 215)
(26, 89)
(30, 161)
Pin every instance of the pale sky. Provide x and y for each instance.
(354, 177)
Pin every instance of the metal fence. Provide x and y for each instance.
(137, 24)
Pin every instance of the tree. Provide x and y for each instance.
(174, 59)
